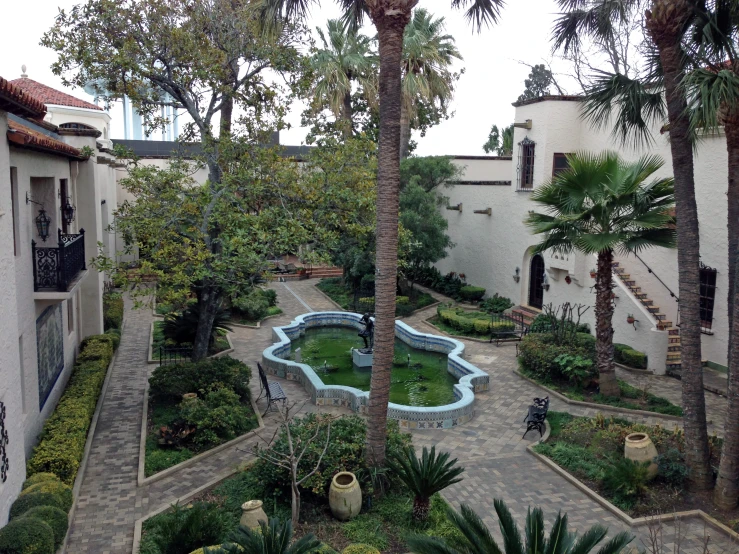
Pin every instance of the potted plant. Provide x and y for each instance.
(630, 319)
(593, 274)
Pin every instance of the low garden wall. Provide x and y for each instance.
(471, 379)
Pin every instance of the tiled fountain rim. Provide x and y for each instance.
(473, 378)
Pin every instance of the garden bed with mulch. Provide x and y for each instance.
(592, 450)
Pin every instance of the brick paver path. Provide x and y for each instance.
(490, 446)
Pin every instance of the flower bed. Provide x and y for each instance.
(473, 324)
(336, 290)
(592, 450)
(194, 407)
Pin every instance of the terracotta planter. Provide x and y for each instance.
(640, 448)
(345, 496)
(252, 514)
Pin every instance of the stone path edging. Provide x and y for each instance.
(142, 480)
(257, 326)
(593, 405)
(88, 445)
(626, 518)
(150, 356)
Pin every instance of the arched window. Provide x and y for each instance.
(77, 126)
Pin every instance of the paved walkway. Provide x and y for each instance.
(490, 446)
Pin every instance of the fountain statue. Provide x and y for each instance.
(362, 357)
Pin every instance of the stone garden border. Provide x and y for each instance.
(471, 379)
(88, 446)
(143, 480)
(593, 405)
(259, 323)
(623, 516)
(150, 356)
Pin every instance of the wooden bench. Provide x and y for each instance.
(537, 415)
(271, 390)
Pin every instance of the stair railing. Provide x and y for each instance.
(672, 294)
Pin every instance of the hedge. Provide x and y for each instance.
(64, 492)
(62, 441)
(112, 310)
(27, 535)
(54, 518)
(470, 325)
(538, 352)
(359, 548)
(471, 293)
(628, 356)
(24, 503)
(39, 478)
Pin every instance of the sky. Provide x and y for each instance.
(493, 77)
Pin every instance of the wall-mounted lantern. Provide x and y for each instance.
(545, 282)
(68, 211)
(42, 220)
(517, 275)
(568, 279)
(631, 321)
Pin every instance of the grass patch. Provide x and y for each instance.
(439, 324)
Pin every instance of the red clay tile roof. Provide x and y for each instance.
(24, 136)
(49, 95)
(19, 102)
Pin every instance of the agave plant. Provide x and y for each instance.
(425, 476)
(476, 537)
(274, 537)
(181, 327)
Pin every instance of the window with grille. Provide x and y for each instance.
(708, 296)
(526, 164)
(559, 164)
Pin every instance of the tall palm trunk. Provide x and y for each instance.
(726, 494)
(346, 116)
(731, 128)
(390, 33)
(604, 325)
(405, 131)
(665, 24)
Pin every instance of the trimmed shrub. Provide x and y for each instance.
(481, 326)
(64, 492)
(471, 293)
(24, 503)
(27, 535)
(218, 417)
(270, 295)
(403, 310)
(115, 335)
(367, 301)
(112, 310)
(496, 304)
(402, 300)
(626, 355)
(172, 381)
(252, 306)
(324, 548)
(54, 517)
(62, 441)
(39, 478)
(360, 549)
(538, 354)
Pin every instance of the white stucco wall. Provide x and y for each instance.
(489, 248)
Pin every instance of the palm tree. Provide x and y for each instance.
(602, 205)
(390, 18)
(346, 57)
(425, 476)
(668, 24)
(427, 56)
(477, 539)
(274, 537)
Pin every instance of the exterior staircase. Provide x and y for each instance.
(527, 313)
(673, 362)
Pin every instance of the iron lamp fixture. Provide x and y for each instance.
(545, 282)
(517, 275)
(68, 211)
(42, 220)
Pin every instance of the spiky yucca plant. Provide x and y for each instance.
(181, 327)
(477, 538)
(274, 537)
(425, 476)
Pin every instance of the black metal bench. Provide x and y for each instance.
(271, 390)
(537, 415)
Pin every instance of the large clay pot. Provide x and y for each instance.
(640, 448)
(345, 496)
(252, 514)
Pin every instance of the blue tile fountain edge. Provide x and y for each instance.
(471, 379)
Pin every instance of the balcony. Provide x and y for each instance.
(58, 268)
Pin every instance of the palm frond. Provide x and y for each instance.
(512, 543)
(535, 530)
(481, 12)
(427, 475)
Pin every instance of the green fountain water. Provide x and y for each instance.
(419, 378)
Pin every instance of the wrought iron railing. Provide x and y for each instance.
(55, 268)
(507, 326)
(174, 355)
(672, 294)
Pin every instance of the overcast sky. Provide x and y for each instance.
(493, 76)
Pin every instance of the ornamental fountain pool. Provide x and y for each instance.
(433, 387)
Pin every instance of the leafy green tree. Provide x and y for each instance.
(429, 172)
(346, 57)
(207, 56)
(420, 216)
(630, 105)
(427, 57)
(599, 205)
(538, 83)
(500, 143)
(477, 539)
(390, 18)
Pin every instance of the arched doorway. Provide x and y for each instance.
(536, 280)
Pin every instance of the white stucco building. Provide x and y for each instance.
(494, 251)
(56, 180)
